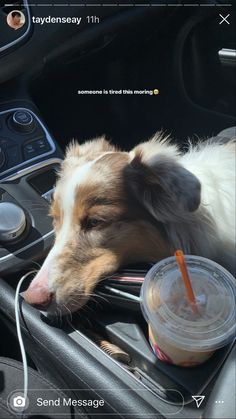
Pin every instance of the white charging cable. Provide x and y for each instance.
(19, 334)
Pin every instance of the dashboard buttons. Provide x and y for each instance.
(42, 145)
(35, 148)
(12, 221)
(22, 121)
(30, 150)
(23, 139)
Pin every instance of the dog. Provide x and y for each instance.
(112, 208)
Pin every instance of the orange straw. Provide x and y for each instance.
(185, 276)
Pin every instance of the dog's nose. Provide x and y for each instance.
(39, 297)
(38, 294)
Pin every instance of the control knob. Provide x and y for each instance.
(22, 121)
(12, 221)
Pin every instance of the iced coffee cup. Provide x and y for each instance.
(177, 334)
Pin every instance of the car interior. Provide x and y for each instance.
(180, 61)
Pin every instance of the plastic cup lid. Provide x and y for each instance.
(166, 308)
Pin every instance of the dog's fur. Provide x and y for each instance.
(111, 208)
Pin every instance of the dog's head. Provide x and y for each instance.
(107, 209)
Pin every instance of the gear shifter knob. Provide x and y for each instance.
(12, 221)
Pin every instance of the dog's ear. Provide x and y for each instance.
(89, 148)
(165, 188)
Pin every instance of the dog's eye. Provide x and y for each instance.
(93, 222)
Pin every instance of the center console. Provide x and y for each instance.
(29, 158)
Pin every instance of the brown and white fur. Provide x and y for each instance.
(112, 208)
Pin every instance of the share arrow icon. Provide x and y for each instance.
(198, 400)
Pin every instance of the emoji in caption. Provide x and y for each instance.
(156, 91)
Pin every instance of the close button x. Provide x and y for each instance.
(224, 19)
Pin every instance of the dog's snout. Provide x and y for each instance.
(39, 297)
(39, 294)
(44, 305)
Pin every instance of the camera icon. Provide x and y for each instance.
(19, 401)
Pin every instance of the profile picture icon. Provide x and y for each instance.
(16, 19)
